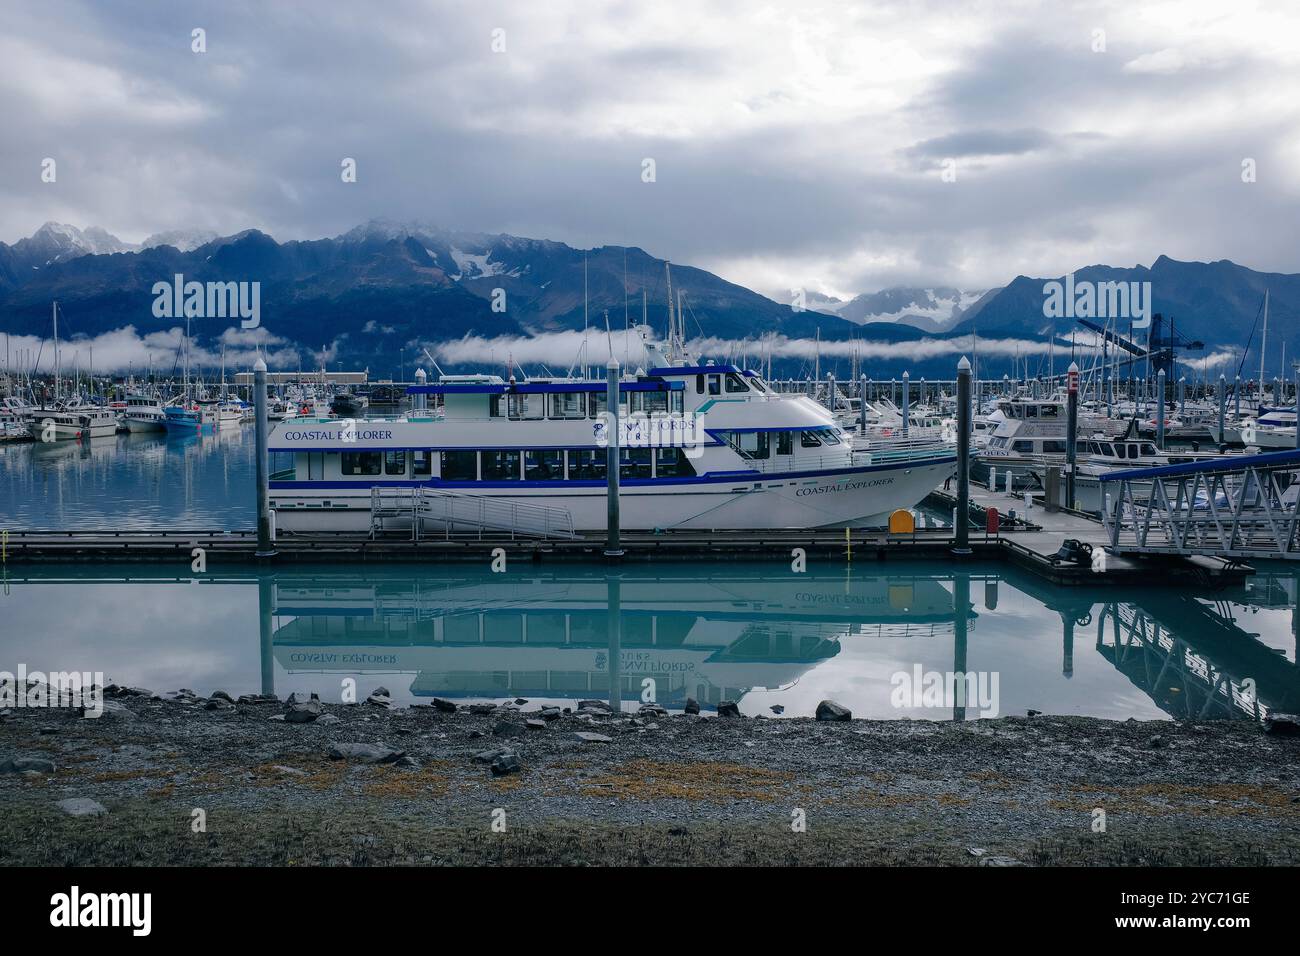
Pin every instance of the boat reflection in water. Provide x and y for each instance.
(735, 630)
(756, 633)
(642, 633)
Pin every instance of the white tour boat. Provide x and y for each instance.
(703, 447)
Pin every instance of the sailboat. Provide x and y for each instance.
(71, 420)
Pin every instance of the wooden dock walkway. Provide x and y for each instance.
(1030, 548)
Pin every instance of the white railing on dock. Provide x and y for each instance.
(450, 509)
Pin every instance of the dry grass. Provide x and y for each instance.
(710, 782)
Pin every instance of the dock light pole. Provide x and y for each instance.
(907, 402)
(1160, 410)
(613, 546)
(961, 526)
(1071, 430)
(1223, 406)
(265, 549)
(1182, 397)
(1236, 398)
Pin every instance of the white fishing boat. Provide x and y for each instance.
(1030, 437)
(144, 413)
(703, 446)
(71, 422)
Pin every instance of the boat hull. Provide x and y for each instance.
(145, 425)
(860, 497)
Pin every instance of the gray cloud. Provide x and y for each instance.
(795, 143)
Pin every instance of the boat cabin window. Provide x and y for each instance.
(315, 466)
(1031, 411)
(829, 437)
(785, 443)
(1047, 411)
(1149, 449)
(1023, 447)
(500, 465)
(699, 385)
(544, 465)
(568, 405)
(587, 465)
(672, 463)
(421, 462)
(282, 466)
(715, 384)
(648, 402)
(1051, 447)
(809, 440)
(361, 462)
(634, 463)
(395, 463)
(598, 402)
(526, 406)
(460, 465)
(735, 383)
(757, 384)
(750, 444)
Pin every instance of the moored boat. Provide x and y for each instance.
(703, 446)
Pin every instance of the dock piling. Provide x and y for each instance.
(1160, 410)
(1071, 432)
(613, 546)
(862, 406)
(961, 517)
(1223, 406)
(265, 547)
(907, 401)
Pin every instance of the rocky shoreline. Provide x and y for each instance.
(184, 779)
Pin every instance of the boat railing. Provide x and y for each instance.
(918, 449)
(453, 510)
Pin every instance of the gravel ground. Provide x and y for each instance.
(663, 789)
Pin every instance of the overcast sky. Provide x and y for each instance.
(795, 143)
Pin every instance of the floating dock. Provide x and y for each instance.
(1030, 545)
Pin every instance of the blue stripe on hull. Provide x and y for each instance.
(709, 479)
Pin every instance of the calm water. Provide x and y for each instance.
(130, 481)
(756, 633)
(873, 637)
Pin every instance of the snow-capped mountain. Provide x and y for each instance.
(59, 242)
(184, 240)
(931, 310)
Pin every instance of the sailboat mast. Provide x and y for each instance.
(57, 370)
(1263, 347)
(672, 322)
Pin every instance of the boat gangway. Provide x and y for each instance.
(1237, 506)
(449, 511)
